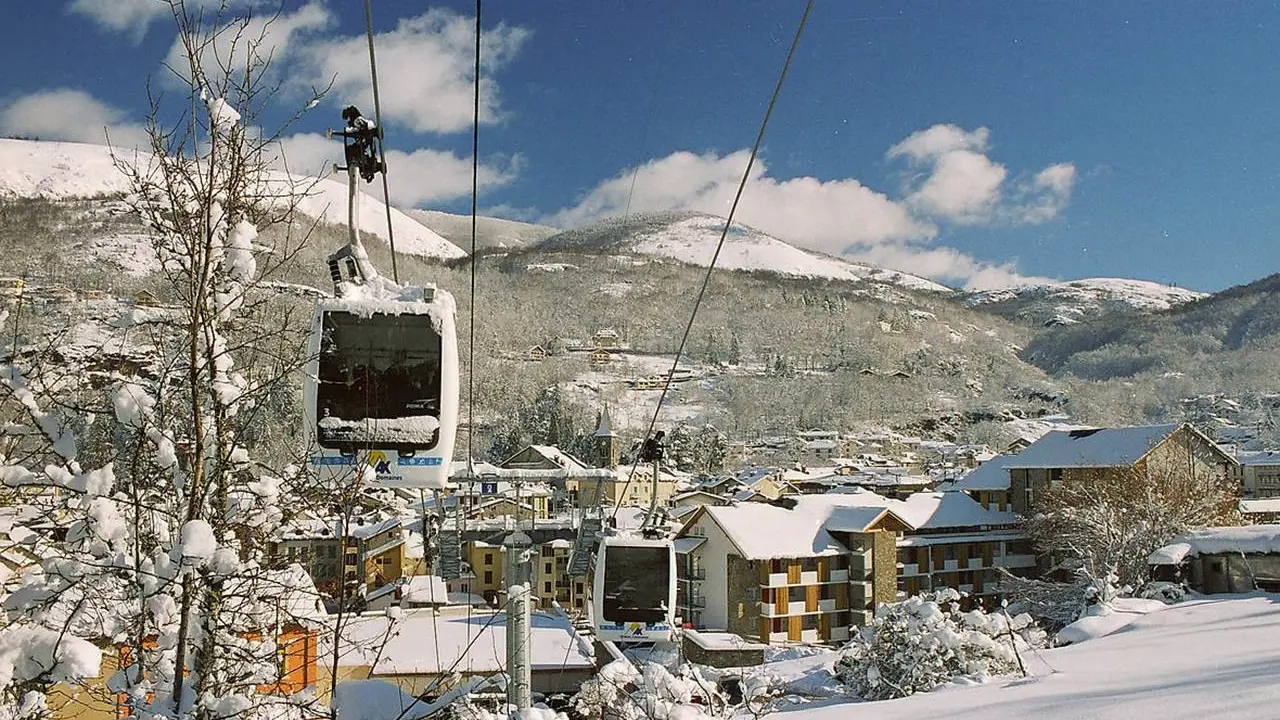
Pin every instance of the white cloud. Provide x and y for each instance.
(425, 70)
(414, 178)
(134, 17)
(72, 115)
(253, 38)
(827, 216)
(1046, 195)
(938, 140)
(955, 183)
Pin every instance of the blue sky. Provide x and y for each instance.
(979, 143)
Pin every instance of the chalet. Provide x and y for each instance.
(606, 339)
(1222, 560)
(600, 356)
(1065, 456)
(12, 286)
(146, 298)
(537, 353)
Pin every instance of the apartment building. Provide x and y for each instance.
(366, 554)
(810, 568)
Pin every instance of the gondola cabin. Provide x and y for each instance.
(381, 395)
(634, 590)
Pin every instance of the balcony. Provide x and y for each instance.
(1016, 561)
(975, 563)
(696, 573)
(839, 633)
(827, 606)
(384, 547)
(809, 577)
(697, 602)
(911, 569)
(777, 580)
(839, 576)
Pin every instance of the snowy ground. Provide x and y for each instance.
(1213, 657)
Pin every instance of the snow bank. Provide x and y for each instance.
(1212, 658)
(1106, 618)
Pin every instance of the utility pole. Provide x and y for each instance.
(519, 620)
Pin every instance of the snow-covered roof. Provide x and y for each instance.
(762, 531)
(709, 640)
(1248, 540)
(473, 642)
(427, 589)
(687, 544)
(1260, 505)
(803, 530)
(559, 457)
(1259, 458)
(990, 475)
(1096, 448)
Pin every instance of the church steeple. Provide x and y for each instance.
(606, 441)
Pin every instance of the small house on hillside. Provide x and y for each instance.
(606, 339)
(1222, 560)
(537, 353)
(600, 356)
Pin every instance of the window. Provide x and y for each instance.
(488, 577)
(795, 593)
(546, 551)
(777, 625)
(546, 588)
(488, 558)
(841, 619)
(827, 592)
(578, 588)
(949, 552)
(1055, 477)
(577, 602)
(810, 622)
(546, 568)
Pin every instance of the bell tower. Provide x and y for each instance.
(606, 442)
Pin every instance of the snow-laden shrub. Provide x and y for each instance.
(925, 641)
(1164, 591)
(622, 691)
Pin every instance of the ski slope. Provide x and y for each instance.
(1213, 657)
(63, 171)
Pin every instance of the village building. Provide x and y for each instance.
(426, 652)
(826, 561)
(369, 557)
(1067, 456)
(1222, 560)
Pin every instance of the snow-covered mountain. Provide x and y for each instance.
(692, 237)
(61, 170)
(1066, 303)
(491, 233)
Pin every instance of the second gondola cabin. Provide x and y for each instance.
(633, 596)
(381, 395)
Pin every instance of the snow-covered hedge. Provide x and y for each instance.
(925, 641)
